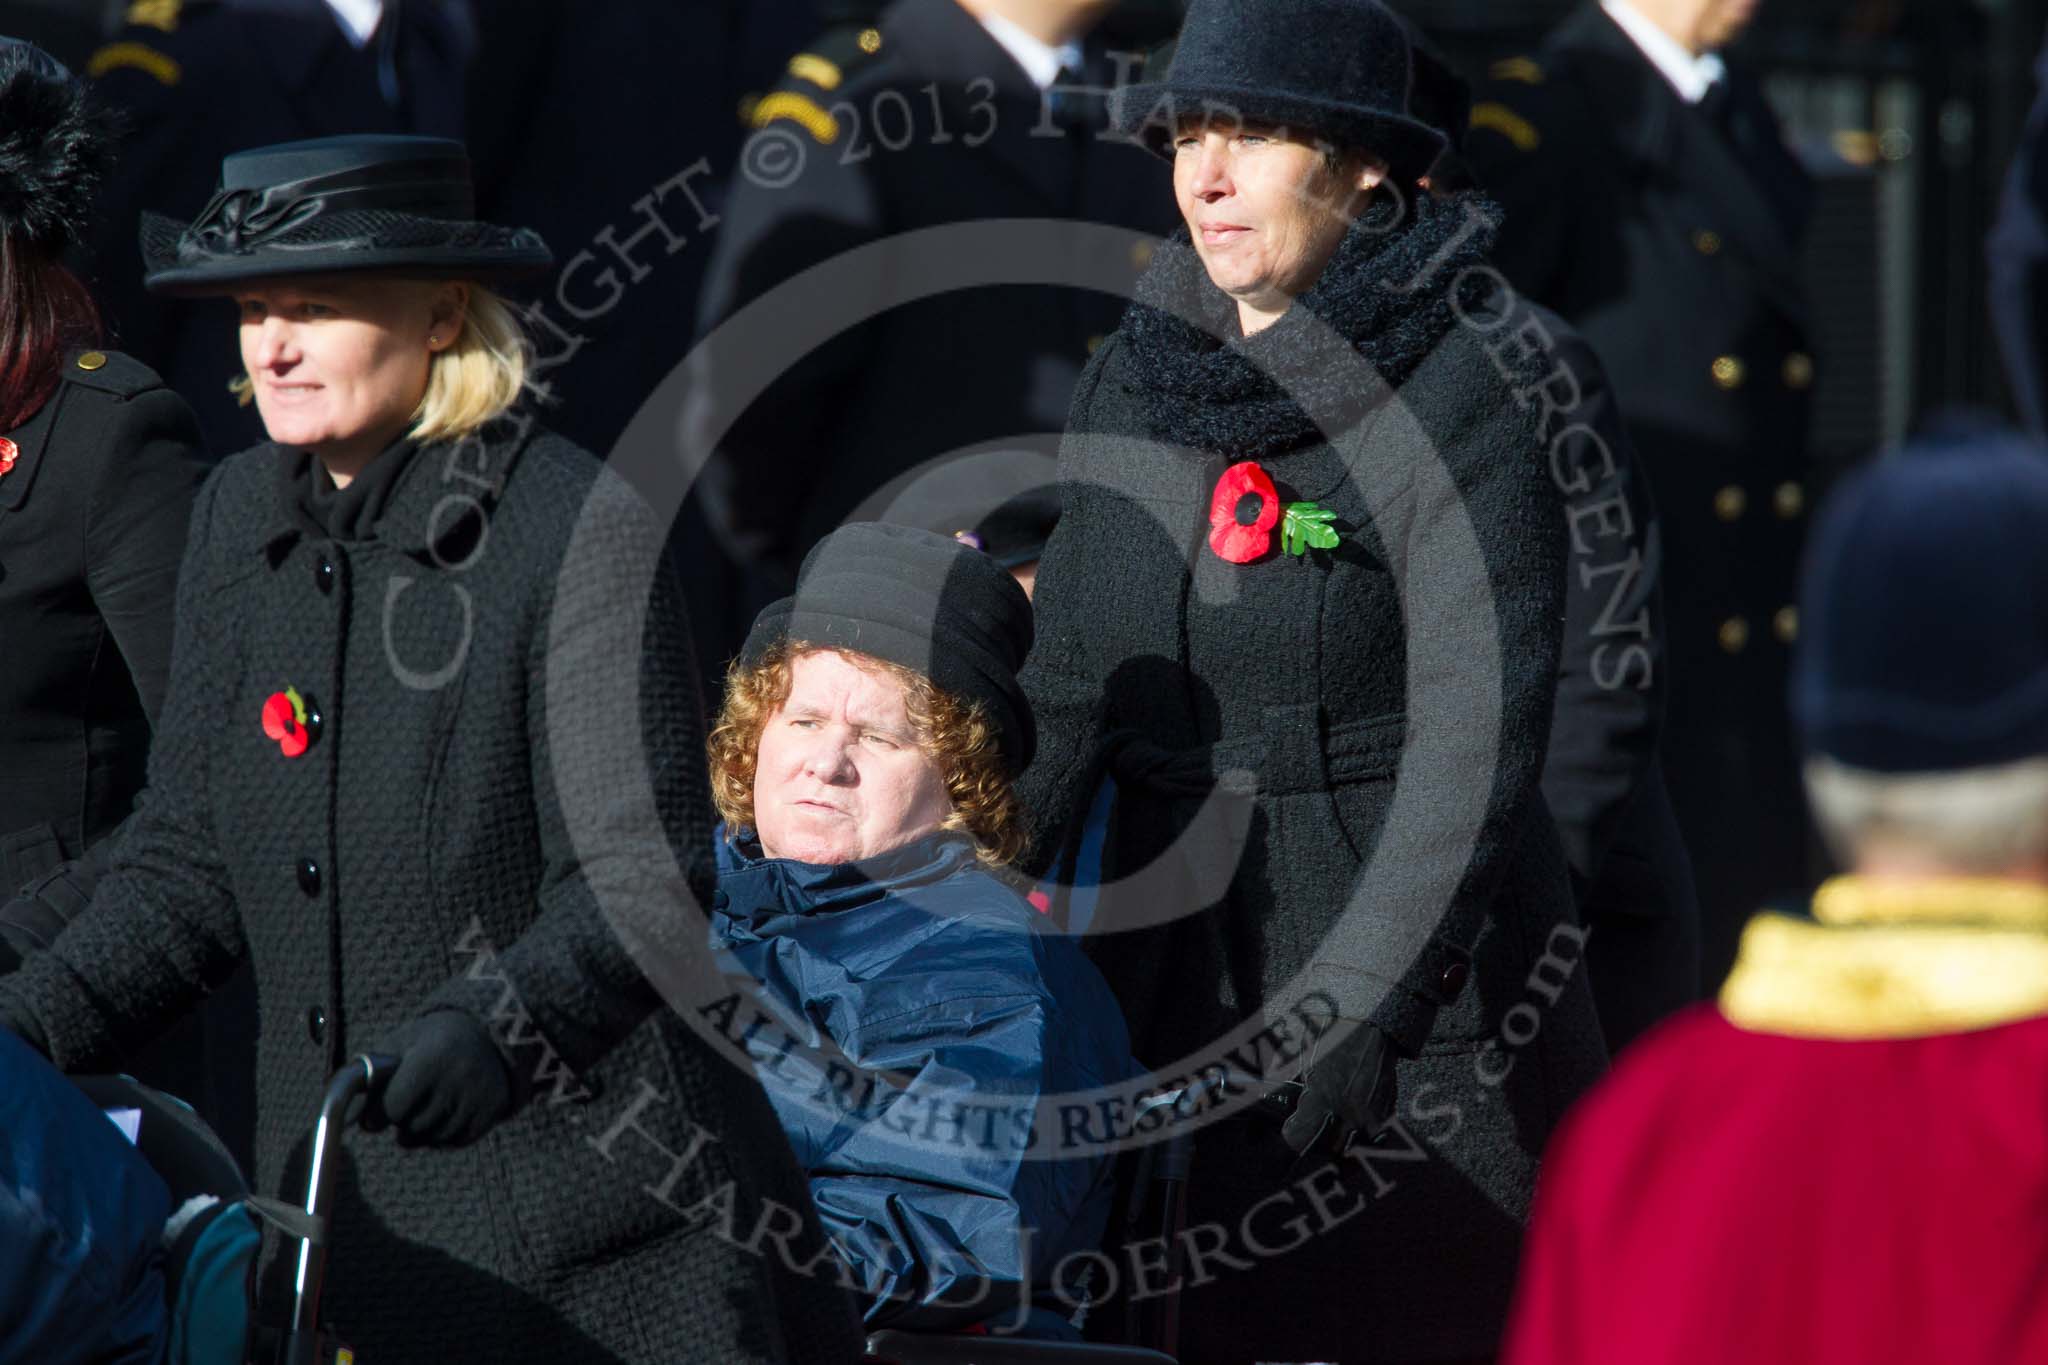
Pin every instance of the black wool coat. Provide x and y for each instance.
(1391, 699)
(1674, 247)
(92, 525)
(453, 838)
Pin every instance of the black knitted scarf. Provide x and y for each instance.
(1387, 291)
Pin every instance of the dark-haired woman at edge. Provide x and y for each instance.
(97, 474)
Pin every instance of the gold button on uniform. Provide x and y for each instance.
(1729, 372)
(1785, 625)
(1094, 344)
(1730, 502)
(1734, 634)
(1790, 501)
(1707, 242)
(92, 360)
(1799, 370)
(870, 40)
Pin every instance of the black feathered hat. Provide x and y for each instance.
(1339, 69)
(56, 146)
(400, 205)
(921, 600)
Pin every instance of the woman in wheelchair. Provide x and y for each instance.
(909, 1013)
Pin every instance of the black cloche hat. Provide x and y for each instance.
(56, 145)
(921, 600)
(401, 205)
(1339, 69)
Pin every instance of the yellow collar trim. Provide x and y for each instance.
(1953, 900)
(1880, 981)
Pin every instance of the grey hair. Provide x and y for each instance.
(1976, 821)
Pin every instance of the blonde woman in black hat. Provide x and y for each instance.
(1310, 538)
(365, 785)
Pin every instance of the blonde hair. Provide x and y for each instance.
(474, 382)
(955, 734)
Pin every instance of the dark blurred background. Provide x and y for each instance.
(1907, 111)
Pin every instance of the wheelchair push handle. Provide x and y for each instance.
(363, 1078)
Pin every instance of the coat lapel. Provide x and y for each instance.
(1672, 143)
(30, 440)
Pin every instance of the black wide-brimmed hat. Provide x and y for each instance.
(400, 205)
(1339, 70)
(921, 600)
(56, 145)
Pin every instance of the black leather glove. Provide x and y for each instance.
(35, 916)
(1349, 1092)
(451, 1085)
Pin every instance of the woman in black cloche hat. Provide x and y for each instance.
(374, 782)
(97, 473)
(1310, 549)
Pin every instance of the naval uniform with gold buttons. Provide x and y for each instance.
(918, 120)
(1669, 235)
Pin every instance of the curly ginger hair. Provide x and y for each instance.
(955, 734)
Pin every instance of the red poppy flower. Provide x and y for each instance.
(9, 453)
(1243, 511)
(284, 720)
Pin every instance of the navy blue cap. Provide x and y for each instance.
(1924, 610)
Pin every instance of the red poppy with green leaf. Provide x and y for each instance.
(284, 720)
(1246, 507)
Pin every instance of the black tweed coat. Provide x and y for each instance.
(1391, 700)
(420, 855)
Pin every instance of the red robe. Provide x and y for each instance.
(1857, 1174)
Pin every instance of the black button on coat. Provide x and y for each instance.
(438, 801)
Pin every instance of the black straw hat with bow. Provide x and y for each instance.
(398, 205)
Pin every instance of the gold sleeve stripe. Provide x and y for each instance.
(800, 109)
(1517, 69)
(815, 69)
(1508, 124)
(114, 56)
(156, 14)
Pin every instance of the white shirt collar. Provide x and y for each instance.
(1041, 61)
(1690, 76)
(358, 18)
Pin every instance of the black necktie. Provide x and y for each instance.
(1077, 104)
(1717, 106)
(386, 38)
(1745, 122)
